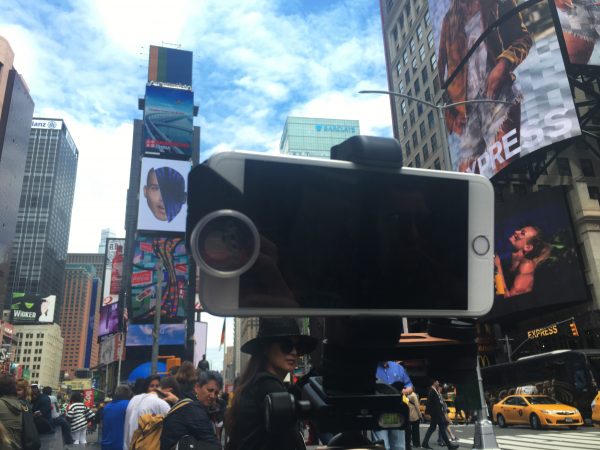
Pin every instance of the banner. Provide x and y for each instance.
(537, 260)
(519, 62)
(113, 271)
(144, 279)
(109, 348)
(168, 121)
(580, 23)
(109, 319)
(28, 309)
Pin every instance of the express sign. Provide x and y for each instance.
(542, 332)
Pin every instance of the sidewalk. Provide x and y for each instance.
(55, 442)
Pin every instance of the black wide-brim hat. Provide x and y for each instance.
(272, 329)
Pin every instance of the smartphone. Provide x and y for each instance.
(279, 235)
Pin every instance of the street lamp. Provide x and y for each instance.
(440, 111)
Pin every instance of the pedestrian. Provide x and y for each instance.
(142, 387)
(203, 364)
(186, 377)
(42, 410)
(436, 410)
(78, 416)
(113, 419)
(24, 393)
(415, 417)
(274, 354)
(57, 420)
(393, 374)
(11, 414)
(190, 416)
(447, 420)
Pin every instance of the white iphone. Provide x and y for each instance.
(279, 235)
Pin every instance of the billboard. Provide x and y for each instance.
(580, 23)
(91, 323)
(170, 65)
(537, 261)
(163, 196)
(168, 121)
(28, 309)
(518, 62)
(109, 319)
(109, 347)
(144, 279)
(113, 271)
(169, 334)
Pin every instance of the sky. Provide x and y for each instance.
(255, 63)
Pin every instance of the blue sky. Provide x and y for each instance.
(255, 63)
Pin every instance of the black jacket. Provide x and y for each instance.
(192, 420)
(434, 405)
(250, 431)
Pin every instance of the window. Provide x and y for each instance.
(403, 106)
(430, 39)
(405, 57)
(425, 74)
(412, 45)
(407, 76)
(395, 34)
(594, 192)
(425, 152)
(405, 127)
(427, 18)
(418, 160)
(415, 139)
(587, 167)
(422, 131)
(417, 87)
(427, 95)
(407, 148)
(422, 53)
(419, 109)
(399, 68)
(434, 142)
(564, 169)
(401, 87)
(419, 32)
(433, 61)
(430, 119)
(412, 119)
(414, 65)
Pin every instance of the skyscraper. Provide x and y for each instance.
(16, 111)
(105, 234)
(44, 219)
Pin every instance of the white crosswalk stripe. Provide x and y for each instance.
(547, 440)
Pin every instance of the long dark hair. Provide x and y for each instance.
(257, 363)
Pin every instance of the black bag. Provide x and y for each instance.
(30, 439)
(191, 443)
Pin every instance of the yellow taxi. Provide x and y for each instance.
(596, 410)
(451, 410)
(538, 411)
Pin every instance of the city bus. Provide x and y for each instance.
(569, 376)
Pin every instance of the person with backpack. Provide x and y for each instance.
(78, 416)
(274, 354)
(11, 413)
(190, 416)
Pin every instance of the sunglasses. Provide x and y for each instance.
(287, 345)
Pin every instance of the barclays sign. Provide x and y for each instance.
(335, 128)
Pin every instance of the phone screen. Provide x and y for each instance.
(339, 238)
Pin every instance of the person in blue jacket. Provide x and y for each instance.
(113, 419)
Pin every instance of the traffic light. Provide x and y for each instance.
(173, 362)
(574, 331)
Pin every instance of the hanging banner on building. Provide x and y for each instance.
(144, 279)
(109, 319)
(537, 261)
(580, 23)
(113, 271)
(163, 196)
(28, 309)
(520, 63)
(168, 121)
(109, 347)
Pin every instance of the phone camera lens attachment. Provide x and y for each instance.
(225, 243)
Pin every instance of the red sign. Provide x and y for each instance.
(88, 398)
(140, 278)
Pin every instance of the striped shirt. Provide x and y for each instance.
(78, 415)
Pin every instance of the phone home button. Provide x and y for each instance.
(481, 245)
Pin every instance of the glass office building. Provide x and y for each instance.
(308, 136)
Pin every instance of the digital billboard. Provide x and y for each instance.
(518, 62)
(168, 121)
(144, 279)
(163, 196)
(170, 65)
(537, 263)
(169, 334)
(113, 271)
(27, 309)
(580, 23)
(109, 319)
(109, 347)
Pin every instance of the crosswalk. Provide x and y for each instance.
(547, 440)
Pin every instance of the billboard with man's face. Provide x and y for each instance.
(580, 23)
(163, 197)
(28, 309)
(520, 63)
(537, 264)
(168, 121)
(144, 279)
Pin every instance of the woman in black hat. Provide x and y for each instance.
(275, 352)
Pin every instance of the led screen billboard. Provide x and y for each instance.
(168, 121)
(109, 347)
(163, 197)
(27, 309)
(537, 261)
(169, 334)
(518, 62)
(109, 319)
(170, 65)
(580, 23)
(144, 279)
(113, 271)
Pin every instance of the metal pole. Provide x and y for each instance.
(120, 354)
(157, 308)
(444, 133)
(508, 349)
(484, 437)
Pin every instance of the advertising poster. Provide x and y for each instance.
(580, 23)
(168, 121)
(537, 264)
(200, 341)
(113, 271)
(109, 347)
(141, 334)
(109, 319)
(144, 279)
(519, 62)
(91, 322)
(27, 309)
(163, 195)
